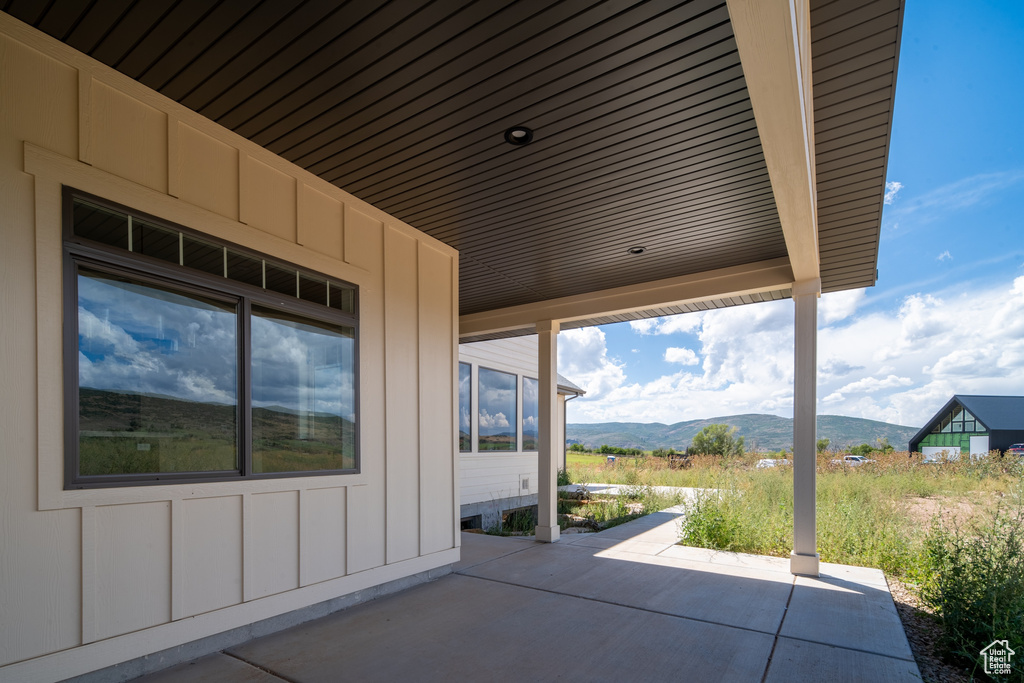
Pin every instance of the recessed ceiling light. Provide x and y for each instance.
(636, 251)
(518, 135)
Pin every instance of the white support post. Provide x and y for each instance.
(804, 559)
(547, 456)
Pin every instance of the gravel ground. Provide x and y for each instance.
(923, 632)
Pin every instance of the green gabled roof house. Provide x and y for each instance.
(972, 424)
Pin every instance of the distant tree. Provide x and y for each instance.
(863, 449)
(577, 448)
(823, 445)
(717, 440)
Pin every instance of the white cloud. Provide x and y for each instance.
(944, 256)
(895, 365)
(488, 421)
(891, 190)
(961, 194)
(836, 306)
(680, 355)
(583, 358)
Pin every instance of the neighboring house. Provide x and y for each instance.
(498, 428)
(242, 242)
(972, 424)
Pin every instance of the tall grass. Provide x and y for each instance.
(864, 513)
(974, 578)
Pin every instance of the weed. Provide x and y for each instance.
(974, 579)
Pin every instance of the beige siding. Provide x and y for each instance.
(402, 386)
(94, 577)
(211, 562)
(436, 394)
(133, 568)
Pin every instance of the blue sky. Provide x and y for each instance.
(947, 313)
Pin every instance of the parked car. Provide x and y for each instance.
(1016, 449)
(852, 460)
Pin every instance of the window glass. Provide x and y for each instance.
(465, 438)
(969, 426)
(531, 413)
(496, 417)
(180, 369)
(101, 224)
(157, 377)
(155, 241)
(303, 394)
(202, 255)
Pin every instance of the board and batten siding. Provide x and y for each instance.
(91, 578)
(496, 475)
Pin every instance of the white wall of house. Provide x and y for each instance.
(496, 476)
(90, 578)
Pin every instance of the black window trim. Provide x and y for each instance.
(104, 258)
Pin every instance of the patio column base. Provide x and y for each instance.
(804, 565)
(547, 534)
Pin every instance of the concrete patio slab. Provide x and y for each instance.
(796, 661)
(215, 668)
(622, 604)
(483, 548)
(837, 611)
(463, 628)
(732, 596)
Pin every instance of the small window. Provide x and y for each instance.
(465, 403)
(531, 413)
(496, 416)
(181, 366)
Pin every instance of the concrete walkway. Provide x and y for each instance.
(626, 604)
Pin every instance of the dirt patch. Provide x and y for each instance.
(923, 633)
(954, 509)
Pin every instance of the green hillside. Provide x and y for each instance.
(761, 432)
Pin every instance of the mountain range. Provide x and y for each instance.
(760, 432)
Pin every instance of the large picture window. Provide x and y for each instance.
(190, 359)
(496, 422)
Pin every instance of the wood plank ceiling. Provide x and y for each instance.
(643, 132)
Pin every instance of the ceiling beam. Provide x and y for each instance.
(774, 42)
(753, 278)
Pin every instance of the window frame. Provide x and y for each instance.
(78, 251)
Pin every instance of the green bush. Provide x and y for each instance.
(563, 478)
(974, 579)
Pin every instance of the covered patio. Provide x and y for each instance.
(622, 604)
(464, 171)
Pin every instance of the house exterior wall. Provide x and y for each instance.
(492, 482)
(90, 578)
(960, 440)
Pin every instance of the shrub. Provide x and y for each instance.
(974, 579)
(563, 478)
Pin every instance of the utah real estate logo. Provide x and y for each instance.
(997, 658)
